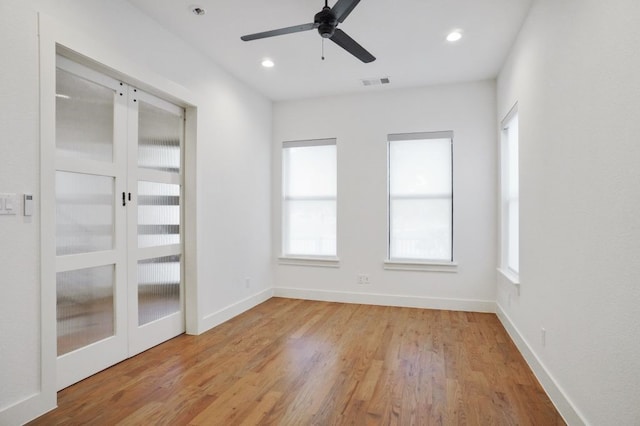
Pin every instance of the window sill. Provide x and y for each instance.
(510, 276)
(412, 265)
(316, 261)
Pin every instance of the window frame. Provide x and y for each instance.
(286, 258)
(506, 198)
(413, 264)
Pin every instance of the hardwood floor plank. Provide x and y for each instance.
(298, 362)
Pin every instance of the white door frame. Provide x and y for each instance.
(56, 37)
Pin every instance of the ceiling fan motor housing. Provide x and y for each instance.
(326, 21)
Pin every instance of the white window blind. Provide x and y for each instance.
(510, 195)
(421, 196)
(309, 198)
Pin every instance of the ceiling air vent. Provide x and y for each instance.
(375, 81)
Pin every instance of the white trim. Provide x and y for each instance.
(156, 332)
(466, 305)
(89, 167)
(558, 396)
(309, 142)
(46, 400)
(322, 262)
(87, 73)
(446, 134)
(409, 265)
(73, 366)
(158, 102)
(157, 176)
(225, 314)
(190, 215)
(145, 253)
(86, 260)
(26, 409)
(510, 276)
(79, 48)
(507, 118)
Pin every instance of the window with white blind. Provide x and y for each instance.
(309, 187)
(510, 262)
(421, 197)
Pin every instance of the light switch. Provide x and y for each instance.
(8, 204)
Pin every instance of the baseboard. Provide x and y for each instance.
(225, 314)
(28, 409)
(557, 395)
(387, 300)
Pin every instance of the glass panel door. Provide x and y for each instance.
(118, 181)
(90, 225)
(155, 168)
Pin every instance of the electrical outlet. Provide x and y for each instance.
(247, 282)
(543, 336)
(363, 279)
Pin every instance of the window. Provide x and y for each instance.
(510, 195)
(421, 197)
(309, 198)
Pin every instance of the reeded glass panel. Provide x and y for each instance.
(84, 118)
(84, 213)
(158, 288)
(159, 135)
(310, 227)
(85, 309)
(420, 229)
(158, 214)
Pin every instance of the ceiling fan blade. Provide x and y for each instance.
(343, 8)
(281, 31)
(350, 45)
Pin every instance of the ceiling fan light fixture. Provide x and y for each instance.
(267, 63)
(454, 36)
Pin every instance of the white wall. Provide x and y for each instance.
(19, 173)
(574, 72)
(233, 172)
(361, 124)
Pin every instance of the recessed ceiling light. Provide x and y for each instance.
(454, 36)
(198, 10)
(267, 63)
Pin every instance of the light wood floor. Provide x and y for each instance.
(294, 362)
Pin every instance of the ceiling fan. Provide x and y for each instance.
(326, 22)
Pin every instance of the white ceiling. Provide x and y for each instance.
(406, 36)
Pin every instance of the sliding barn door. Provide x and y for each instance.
(155, 216)
(118, 221)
